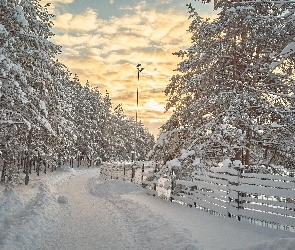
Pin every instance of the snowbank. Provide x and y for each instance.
(79, 210)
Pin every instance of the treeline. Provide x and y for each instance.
(233, 98)
(46, 115)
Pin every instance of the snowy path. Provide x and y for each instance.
(90, 222)
(119, 215)
(77, 210)
(97, 217)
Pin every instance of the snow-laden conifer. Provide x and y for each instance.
(228, 102)
(46, 117)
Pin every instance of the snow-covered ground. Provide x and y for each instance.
(76, 209)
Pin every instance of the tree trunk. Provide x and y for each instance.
(8, 166)
(238, 155)
(38, 164)
(27, 169)
(248, 145)
(31, 163)
(44, 162)
(3, 171)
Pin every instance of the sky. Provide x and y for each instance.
(103, 41)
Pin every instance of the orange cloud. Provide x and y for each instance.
(85, 22)
(106, 52)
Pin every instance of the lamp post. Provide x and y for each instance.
(139, 70)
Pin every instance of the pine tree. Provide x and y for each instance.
(26, 57)
(229, 104)
(45, 116)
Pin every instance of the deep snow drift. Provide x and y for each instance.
(76, 209)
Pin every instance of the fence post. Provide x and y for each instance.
(239, 175)
(228, 198)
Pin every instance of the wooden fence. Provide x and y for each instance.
(261, 199)
(137, 173)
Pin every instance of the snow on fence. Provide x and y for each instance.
(261, 199)
(121, 171)
(142, 173)
(137, 173)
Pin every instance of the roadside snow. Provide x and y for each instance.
(72, 209)
(213, 232)
(28, 213)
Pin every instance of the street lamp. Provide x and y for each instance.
(139, 70)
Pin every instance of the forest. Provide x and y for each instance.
(232, 98)
(47, 116)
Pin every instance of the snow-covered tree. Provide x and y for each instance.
(284, 11)
(45, 116)
(121, 137)
(26, 59)
(229, 104)
(144, 142)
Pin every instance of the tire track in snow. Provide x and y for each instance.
(89, 222)
(26, 217)
(97, 217)
(150, 230)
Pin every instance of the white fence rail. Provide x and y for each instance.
(261, 199)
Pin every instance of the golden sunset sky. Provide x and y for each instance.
(104, 40)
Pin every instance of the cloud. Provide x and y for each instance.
(58, 1)
(54, 3)
(106, 52)
(84, 22)
(164, 1)
(111, 1)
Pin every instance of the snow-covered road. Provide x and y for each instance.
(97, 216)
(87, 221)
(78, 210)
